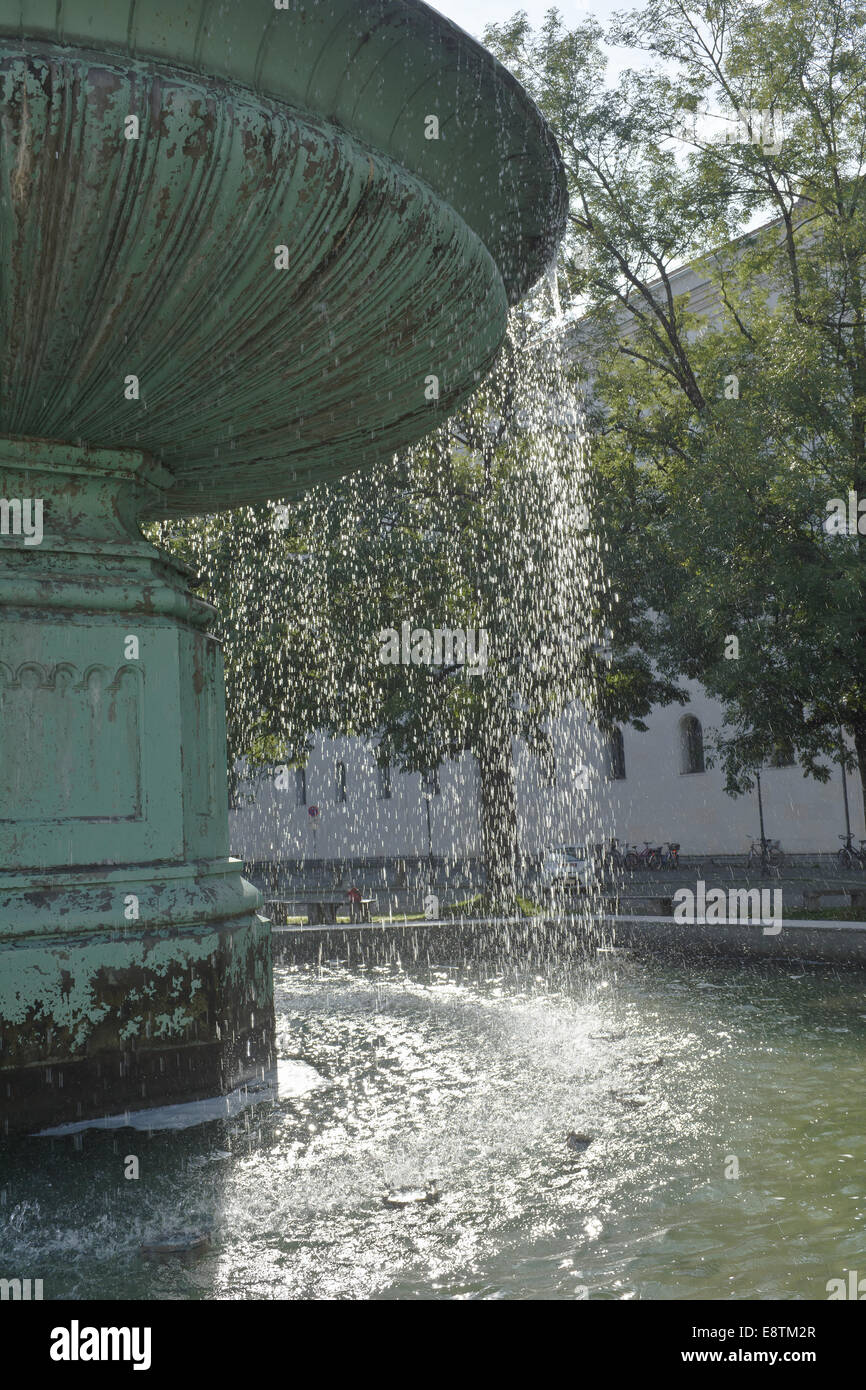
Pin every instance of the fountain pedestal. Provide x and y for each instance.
(146, 981)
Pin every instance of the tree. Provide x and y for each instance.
(723, 434)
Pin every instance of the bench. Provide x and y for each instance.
(319, 912)
(322, 912)
(812, 896)
(360, 911)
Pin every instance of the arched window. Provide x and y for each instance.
(691, 744)
(616, 756)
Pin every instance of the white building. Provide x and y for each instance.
(656, 786)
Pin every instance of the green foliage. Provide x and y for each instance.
(714, 490)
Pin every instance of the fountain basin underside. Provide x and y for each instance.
(235, 286)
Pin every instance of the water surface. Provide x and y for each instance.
(473, 1076)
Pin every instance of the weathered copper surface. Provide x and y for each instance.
(375, 68)
(104, 1023)
(133, 965)
(157, 256)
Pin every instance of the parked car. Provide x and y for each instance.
(566, 866)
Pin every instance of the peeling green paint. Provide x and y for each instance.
(124, 925)
(252, 381)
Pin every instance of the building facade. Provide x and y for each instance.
(657, 785)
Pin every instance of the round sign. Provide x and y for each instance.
(313, 811)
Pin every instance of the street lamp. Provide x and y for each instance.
(427, 794)
(845, 792)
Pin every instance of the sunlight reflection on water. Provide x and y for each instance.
(473, 1079)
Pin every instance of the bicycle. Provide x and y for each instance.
(764, 855)
(649, 857)
(609, 857)
(669, 856)
(847, 857)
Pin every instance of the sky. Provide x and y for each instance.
(472, 15)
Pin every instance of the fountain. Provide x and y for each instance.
(242, 248)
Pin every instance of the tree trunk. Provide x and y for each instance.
(859, 734)
(498, 818)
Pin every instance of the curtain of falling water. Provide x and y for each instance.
(489, 525)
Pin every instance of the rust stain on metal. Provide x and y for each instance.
(22, 173)
(200, 144)
(255, 170)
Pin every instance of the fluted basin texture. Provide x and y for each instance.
(156, 258)
(155, 255)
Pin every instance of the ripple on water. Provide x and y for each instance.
(395, 1080)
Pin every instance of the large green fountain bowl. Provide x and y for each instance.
(277, 272)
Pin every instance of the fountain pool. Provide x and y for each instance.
(471, 1076)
